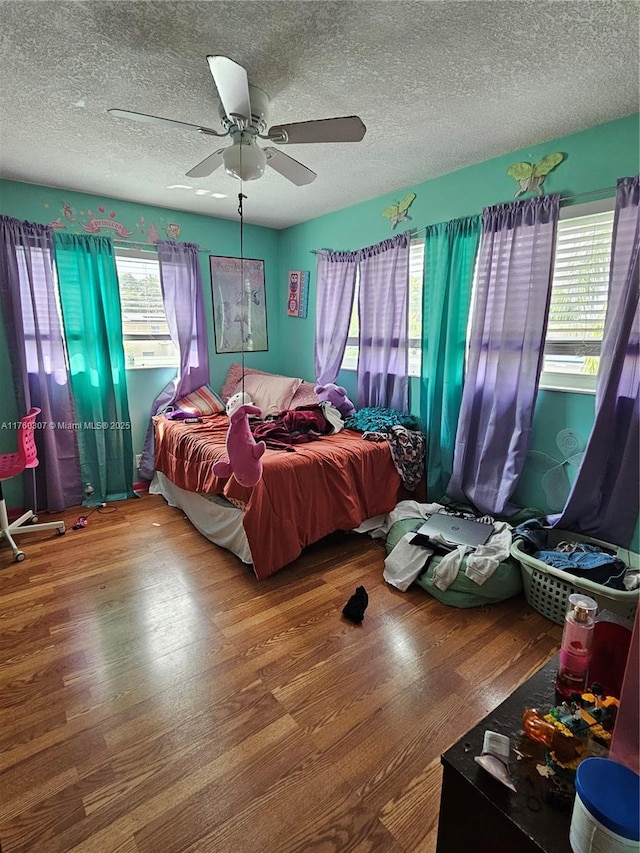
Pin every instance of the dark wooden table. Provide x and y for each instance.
(480, 815)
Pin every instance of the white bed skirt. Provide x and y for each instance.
(211, 515)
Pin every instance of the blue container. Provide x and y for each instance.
(606, 813)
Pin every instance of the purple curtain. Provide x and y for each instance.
(182, 295)
(509, 317)
(335, 283)
(383, 303)
(603, 502)
(38, 363)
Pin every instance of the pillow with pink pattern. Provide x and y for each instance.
(304, 395)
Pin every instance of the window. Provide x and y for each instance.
(578, 297)
(147, 342)
(416, 268)
(34, 266)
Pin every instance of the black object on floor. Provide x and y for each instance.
(357, 604)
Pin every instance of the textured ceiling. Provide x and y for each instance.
(439, 85)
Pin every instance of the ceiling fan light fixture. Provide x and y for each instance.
(245, 162)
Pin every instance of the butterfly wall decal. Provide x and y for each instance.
(555, 481)
(530, 176)
(398, 212)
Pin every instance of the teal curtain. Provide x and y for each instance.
(450, 253)
(92, 320)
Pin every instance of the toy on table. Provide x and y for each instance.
(569, 729)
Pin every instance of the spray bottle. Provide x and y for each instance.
(576, 645)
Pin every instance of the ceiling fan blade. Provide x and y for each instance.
(164, 121)
(207, 166)
(344, 129)
(289, 168)
(233, 87)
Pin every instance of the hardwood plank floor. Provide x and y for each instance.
(154, 696)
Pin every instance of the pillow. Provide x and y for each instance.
(269, 393)
(234, 375)
(304, 396)
(202, 401)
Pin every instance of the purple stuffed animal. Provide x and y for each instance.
(245, 456)
(337, 396)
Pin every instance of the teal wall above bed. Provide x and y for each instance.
(221, 236)
(594, 159)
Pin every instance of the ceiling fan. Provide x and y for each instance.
(244, 115)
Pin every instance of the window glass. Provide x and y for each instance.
(147, 342)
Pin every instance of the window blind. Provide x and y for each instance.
(580, 285)
(147, 341)
(143, 316)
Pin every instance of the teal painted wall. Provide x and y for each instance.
(220, 236)
(594, 159)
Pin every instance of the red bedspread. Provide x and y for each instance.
(330, 484)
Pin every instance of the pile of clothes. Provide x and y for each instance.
(596, 563)
(297, 426)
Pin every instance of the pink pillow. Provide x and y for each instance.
(234, 375)
(304, 396)
(269, 393)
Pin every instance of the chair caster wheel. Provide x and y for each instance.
(61, 532)
(34, 519)
(19, 557)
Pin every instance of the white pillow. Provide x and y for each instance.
(272, 394)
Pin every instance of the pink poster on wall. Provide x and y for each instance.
(298, 293)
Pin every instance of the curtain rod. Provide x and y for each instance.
(563, 199)
(584, 195)
(122, 244)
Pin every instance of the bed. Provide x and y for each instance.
(329, 484)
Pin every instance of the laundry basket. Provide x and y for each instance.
(547, 588)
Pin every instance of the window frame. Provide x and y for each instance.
(558, 380)
(147, 256)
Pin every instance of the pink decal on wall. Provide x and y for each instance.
(94, 225)
(86, 220)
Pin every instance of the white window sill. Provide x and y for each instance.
(568, 383)
(151, 367)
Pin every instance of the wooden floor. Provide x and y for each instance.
(155, 697)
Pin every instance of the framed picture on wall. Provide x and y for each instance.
(239, 304)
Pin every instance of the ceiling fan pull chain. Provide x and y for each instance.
(243, 321)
